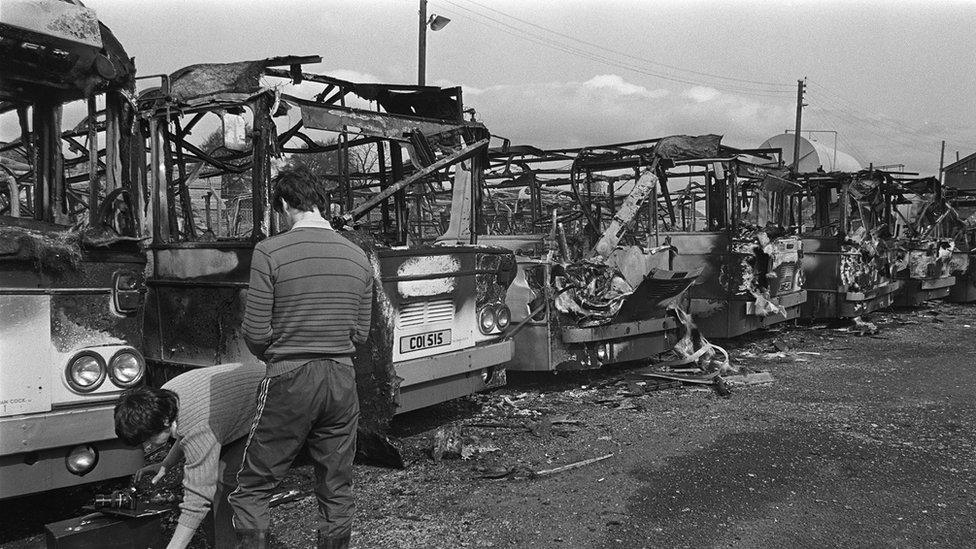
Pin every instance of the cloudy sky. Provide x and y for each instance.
(892, 78)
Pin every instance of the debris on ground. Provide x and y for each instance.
(523, 471)
(574, 465)
(863, 327)
(469, 451)
(447, 443)
(781, 345)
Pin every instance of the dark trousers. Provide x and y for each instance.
(316, 402)
(218, 525)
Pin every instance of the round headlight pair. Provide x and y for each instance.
(494, 316)
(87, 370)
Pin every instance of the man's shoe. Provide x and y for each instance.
(341, 542)
(252, 539)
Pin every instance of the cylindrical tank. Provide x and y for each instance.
(813, 155)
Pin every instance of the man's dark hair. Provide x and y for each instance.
(143, 412)
(299, 187)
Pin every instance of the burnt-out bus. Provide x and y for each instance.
(960, 225)
(217, 135)
(581, 301)
(848, 244)
(726, 213)
(919, 216)
(71, 270)
(732, 214)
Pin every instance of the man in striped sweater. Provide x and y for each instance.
(308, 304)
(208, 413)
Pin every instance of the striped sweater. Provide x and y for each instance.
(216, 407)
(310, 297)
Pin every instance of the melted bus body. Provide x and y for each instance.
(726, 214)
(537, 212)
(435, 333)
(961, 228)
(732, 214)
(926, 252)
(849, 255)
(71, 270)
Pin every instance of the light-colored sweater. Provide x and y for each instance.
(217, 407)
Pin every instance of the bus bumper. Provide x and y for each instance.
(435, 379)
(34, 448)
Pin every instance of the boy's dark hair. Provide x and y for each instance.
(143, 412)
(299, 187)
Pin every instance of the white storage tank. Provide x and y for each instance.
(813, 155)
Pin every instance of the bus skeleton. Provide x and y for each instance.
(579, 307)
(439, 312)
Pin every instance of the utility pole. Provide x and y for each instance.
(800, 85)
(938, 189)
(941, 160)
(422, 48)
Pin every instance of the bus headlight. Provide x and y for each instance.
(85, 372)
(126, 368)
(81, 459)
(503, 317)
(486, 320)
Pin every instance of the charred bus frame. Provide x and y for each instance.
(749, 278)
(849, 257)
(919, 213)
(962, 229)
(200, 267)
(578, 305)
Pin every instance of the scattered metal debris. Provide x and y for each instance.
(447, 443)
(574, 465)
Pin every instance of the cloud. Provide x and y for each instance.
(607, 108)
(616, 84)
(352, 75)
(702, 94)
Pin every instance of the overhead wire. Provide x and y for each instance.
(521, 33)
(879, 120)
(868, 125)
(635, 57)
(841, 138)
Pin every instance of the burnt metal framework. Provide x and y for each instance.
(840, 203)
(731, 214)
(583, 188)
(204, 233)
(357, 153)
(80, 175)
(887, 228)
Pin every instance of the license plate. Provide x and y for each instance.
(426, 340)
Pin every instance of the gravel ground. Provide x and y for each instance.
(860, 441)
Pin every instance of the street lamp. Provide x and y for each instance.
(436, 23)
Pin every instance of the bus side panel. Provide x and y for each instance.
(25, 378)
